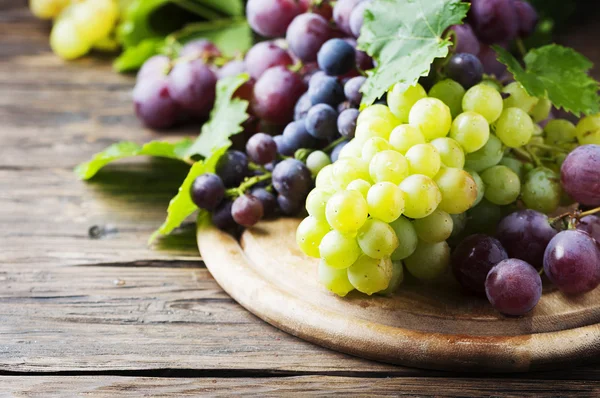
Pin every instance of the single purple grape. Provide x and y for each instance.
(346, 122)
(207, 191)
(222, 217)
(261, 148)
(321, 122)
(154, 104)
(527, 16)
(265, 55)
(494, 21)
(513, 287)
(323, 89)
(591, 225)
(580, 175)
(193, 86)
(154, 67)
(200, 48)
(465, 68)
(352, 89)
(335, 153)
(232, 167)
(292, 179)
(465, 40)
(271, 18)
(306, 34)
(302, 107)
(247, 210)
(341, 14)
(295, 137)
(357, 17)
(336, 57)
(268, 200)
(276, 94)
(289, 206)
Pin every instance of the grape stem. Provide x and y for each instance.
(574, 216)
(589, 212)
(534, 157)
(549, 148)
(522, 154)
(330, 147)
(246, 184)
(521, 47)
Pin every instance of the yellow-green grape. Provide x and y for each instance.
(376, 111)
(396, 280)
(401, 99)
(436, 227)
(450, 151)
(388, 166)
(66, 41)
(374, 127)
(538, 131)
(488, 156)
(347, 170)
(336, 280)
(47, 9)
(339, 250)
(429, 261)
(421, 196)
(519, 98)
(471, 131)
(347, 211)
(94, 19)
(432, 117)
(459, 190)
(316, 201)
(502, 185)
(385, 201)
(373, 146)
(479, 183)
(492, 83)
(309, 234)
(512, 163)
(108, 44)
(514, 127)
(451, 93)
(316, 161)
(377, 239)
(407, 238)
(405, 137)
(370, 275)
(541, 110)
(324, 179)
(353, 149)
(359, 185)
(561, 131)
(485, 100)
(588, 130)
(423, 159)
(541, 190)
(484, 218)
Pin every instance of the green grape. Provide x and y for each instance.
(316, 161)
(423, 159)
(385, 201)
(484, 100)
(502, 185)
(542, 190)
(436, 227)
(514, 127)
(514, 164)
(492, 83)
(405, 137)
(324, 179)
(421, 196)
(316, 201)
(401, 99)
(353, 149)
(449, 92)
(560, 131)
(541, 110)
(407, 238)
(377, 127)
(459, 222)
(484, 218)
(537, 130)
(373, 146)
(432, 117)
(377, 239)
(347, 170)
(451, 153)
(339, 250)
(359, 185)
(396, 280)
(336, 280)
(347, 211)
(518, 98)
(429, 261)
(309, 234)
(588, 130)
(376, 111)
(459, 190)
(66, 41)
(388, 166)
(480, 185)
(488, 156)
(94, 19)
(369, 275)
(47, 9)
(471, 131)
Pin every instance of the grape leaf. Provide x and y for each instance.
(134, 57)
(404, 37)
(124, 149)
(558, 72)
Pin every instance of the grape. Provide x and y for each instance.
(193, 85)
(407, 238)
(282, 146)
(302, 106)
(306, 34)
(388, 166)
(207, 191)
(429, 261)
(346, 122)
(268, 200)
(47, 9)
(449, 92)
(376, 111)
(352, 89)
(346, 211)
(502, 185)
(541, 111)
(541, 190)
(484, 217)
(289, 206)
(450, 151)
(357, 17)
(342, 12)
(316, 161)
(484, 100)
(459, 223)
(432, 116)
(66, 41)
(559, 131)
(324, 179)
(479, 184)
(222, 217)
(421, 196)
(337, 150)
(518, 97)
(572, 262)
(489, 155)
(376, 127)
(154, 105)
(93, 19)
(525, 234)
(321, 121)
(527, 17)
(464, 68)
(200, 48)
(276, 93)
(423, 159)
(156, 66)
(347, 170)
(336, 57)
(324, 89)
(473, 258)
(316, 201)
(339, 250)
(292, 178)
(405, 136)
(261, 148)
(396, 280)
(465, 41)
(271, 18)
(369, 275)
(336, 280)
(295, 137)
(247, 210)
(471, 131)
(265, 55)
(309, 235)
(232, 167)
(513, 287)
(361, 186)
(436, 227)
(591, 225)
(372, 147)
(494, 21)
(401, 99)
(580, 175)
(377, 239)
(459, 190)
(513, 164)
(385, 201)
(588, 130)
(489, 59)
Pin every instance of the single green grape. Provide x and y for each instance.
(396, 280)
(66, 41)
(373, 146)
(479, 183)
(451, 153)
(471, 131)
(537, 130)
(459, 223)
(517, 97)
(93, 20)
(459, 190)
(347, 170)
(451, 93)
(423, 159)
(541, 190)
(492, 83)
(336, 280)
(485, 100)
(353, 149)
(309, 234)
(376, 127)
(432, 116)
(339, 250)
(388, 166)
(588, 130)
(376, 111)
(359, 185)
(385, 201)
(407, 238)
(316, 201)
(514, 164)
(401, 99)
(429, 261)
(405, 137)
(484, 218)
(514, 127)
(541, 110)
(324, 179)
(488, 156)
(377, 239)
(560, 131)
(316, 161)
(346, 211)
(436, 227)
(369, 275)
(502, 185)
(421, 196)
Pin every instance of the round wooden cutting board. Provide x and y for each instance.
(426, 326)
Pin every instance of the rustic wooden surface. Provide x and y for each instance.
(103, 314)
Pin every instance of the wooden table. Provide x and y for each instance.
(88, 308)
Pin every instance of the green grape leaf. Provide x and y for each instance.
(232, 36)
(404, 37)
(124, 149)
(226, 118)
(134, 57)
(558, 72)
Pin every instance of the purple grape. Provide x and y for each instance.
(153, 103)
(247, 210)
(572, 262)
(494, 21)
(276, 94)
(525, 235)
(231, 68)
(292, 178)
(321, 122)
(295, 137)
(288, 206)
(346, 122)
(261, 148)
(306, 34)
(302, 107)
(580, 175)
(336, 57)
(591, 225)
(200, 48)
(265, 55)
(489, 59)
(527, 16)
(341, 14)
(473, 258)
(345, 105)
(193, 85)
(324, 89)
(352, 89)
(207, 191)
(513, 287)
(154, 67)
(308, 71)
(465, 68)
(222, 217)
(335, 153)
(232, 167)
(282, 146)
(357, 17)
(466, 41)
(271, 18)
(268, 200)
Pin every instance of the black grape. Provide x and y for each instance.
(321, 122)
(513, 287)
(324, 89)
(352, 89)
(465, 69)
(336, 57)
(261, 148)
(207, 191)
(268, 200)
(222, 217)
(346, 122)
(295, 137)
(232, 167)
(282, 146)
(527, 16)
(302, 106)
(292, 178)
(288, 206)
(494, 21)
